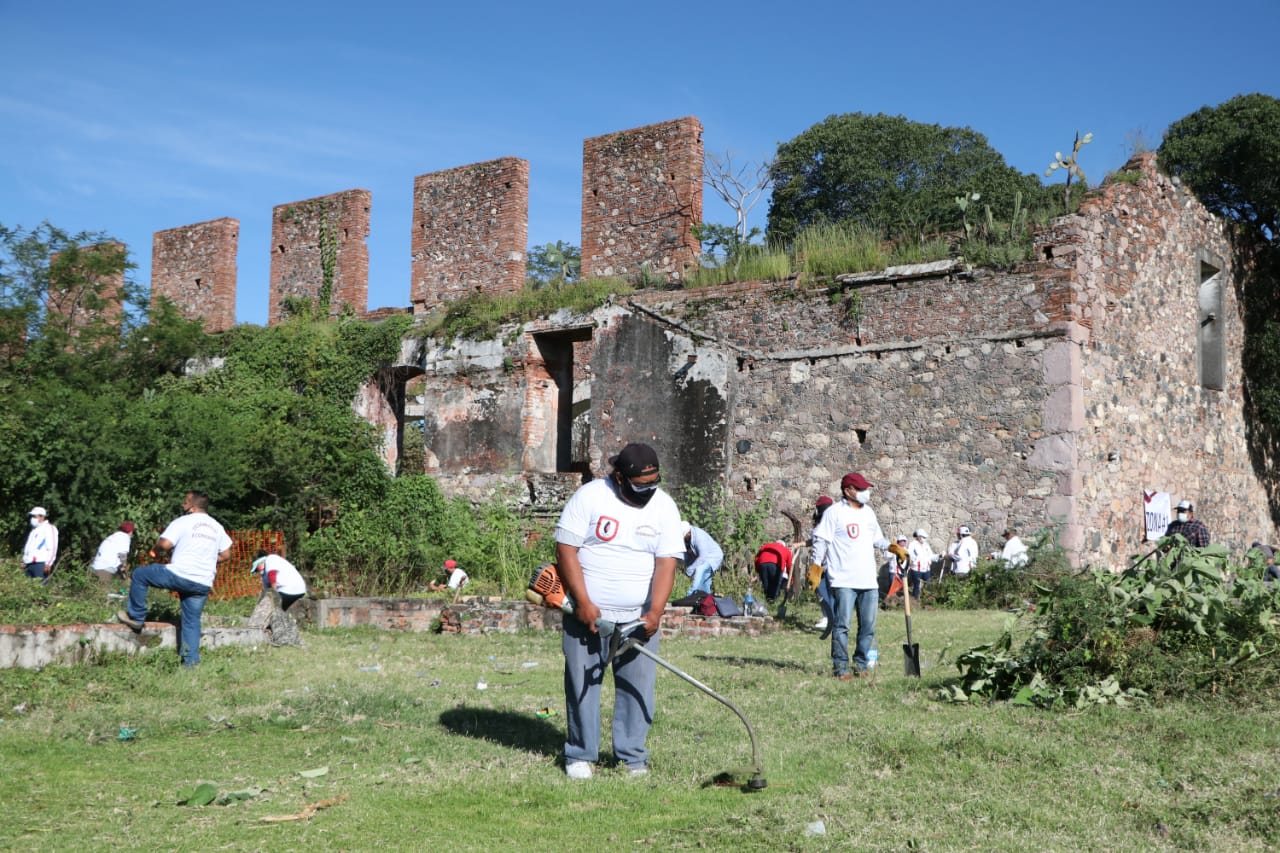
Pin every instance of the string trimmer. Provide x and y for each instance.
(546, 590)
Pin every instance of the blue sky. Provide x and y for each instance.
(134, 117)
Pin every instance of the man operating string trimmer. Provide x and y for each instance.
(616, 547)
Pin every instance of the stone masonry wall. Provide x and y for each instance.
(470, 230)
(942, 405)
(1140, 251)
(194, 267)
(641, 196)
(309, 236)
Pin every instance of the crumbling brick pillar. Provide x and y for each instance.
(319, 252)
(470, 229)
(194, 267)
(641, 197)
(86, 286)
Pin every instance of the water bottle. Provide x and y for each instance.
(873, 657)
(749, 604)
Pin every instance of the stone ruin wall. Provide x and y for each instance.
(641, 197)
(987, 398)
(943, 407)
(195, 268)
(1135, 252)
(470, 231)
(303, 233)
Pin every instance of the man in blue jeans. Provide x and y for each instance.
(199, 543)
(844, 543)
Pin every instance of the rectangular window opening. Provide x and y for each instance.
(1210, 345)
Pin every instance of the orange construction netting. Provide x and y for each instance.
(234, 580)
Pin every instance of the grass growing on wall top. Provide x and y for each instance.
(480, 315)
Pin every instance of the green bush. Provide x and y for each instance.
(1182, 621)
(994, 585)
(398, 544)
(739, 531)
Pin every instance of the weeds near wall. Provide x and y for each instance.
(479, 316)
(397, 546)
(920, 251)
(1130, 176)
(757, 263)
(739, 530)
(828, 250)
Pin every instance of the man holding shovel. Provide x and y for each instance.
(844, 543)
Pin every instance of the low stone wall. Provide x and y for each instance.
(33, 647)
(480, 615)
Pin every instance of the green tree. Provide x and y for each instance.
(553, 262)
(1229, 155)
(888, 173)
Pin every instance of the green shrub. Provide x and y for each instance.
(738, 529)
(1180, 622)
(994, 585)
(398, 545)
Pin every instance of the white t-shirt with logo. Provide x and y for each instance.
(618, 543)
(284, 574)
(844, 543)
(197, 540)
(108, 558)
(458, 579)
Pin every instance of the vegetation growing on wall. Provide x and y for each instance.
(480, 315)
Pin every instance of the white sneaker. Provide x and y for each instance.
(638, 770)
(821, 624)
(578, 770)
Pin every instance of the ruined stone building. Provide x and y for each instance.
(1048, 396)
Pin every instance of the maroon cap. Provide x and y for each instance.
(823, 501)
(855, 480)
(127, 527)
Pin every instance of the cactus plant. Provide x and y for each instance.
(963, 202)
(1071, 166)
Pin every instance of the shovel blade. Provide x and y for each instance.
(911, 659)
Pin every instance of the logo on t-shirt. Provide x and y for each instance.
(852, 529)
(606, 528)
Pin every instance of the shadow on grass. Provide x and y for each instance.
(745, 661)
(519, 731)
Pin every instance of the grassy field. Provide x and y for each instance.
(389, 733)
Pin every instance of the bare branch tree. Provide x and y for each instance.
(740, 188)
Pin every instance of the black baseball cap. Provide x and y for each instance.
(635, 460)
